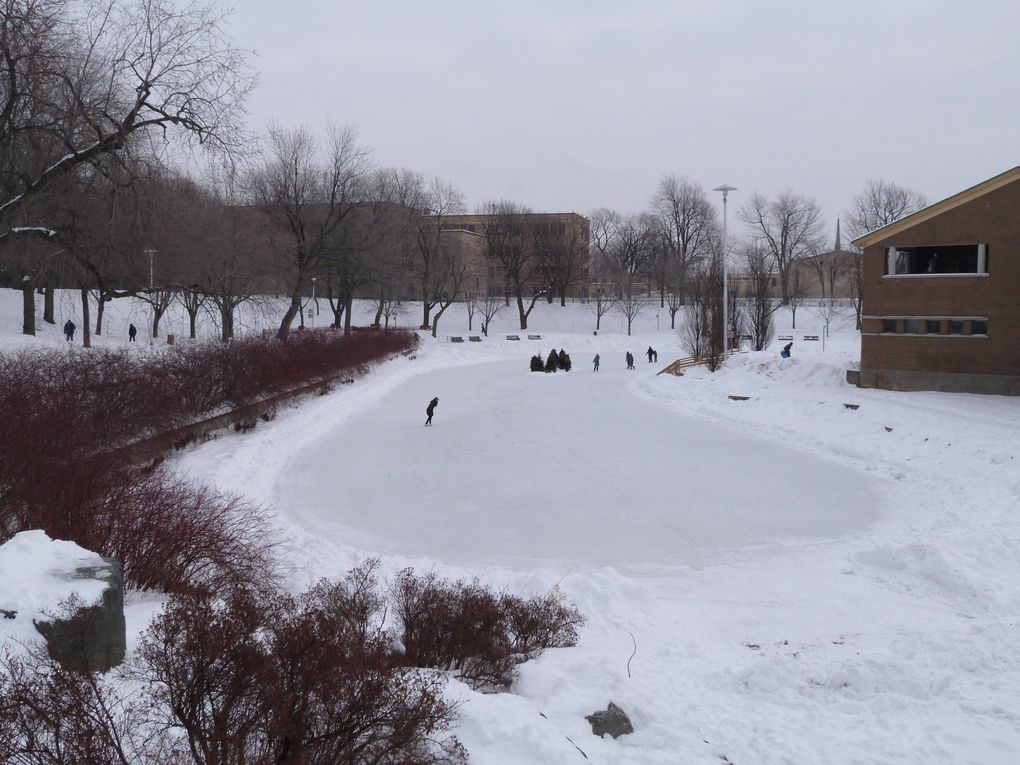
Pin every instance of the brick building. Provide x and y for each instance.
(941, 306)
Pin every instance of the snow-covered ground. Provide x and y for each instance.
(803, 582)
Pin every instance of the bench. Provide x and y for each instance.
(456, 339)
(534, 337)
(746, 337)
(475, 339)
(785, 337)
(513, 337)
(810, 337)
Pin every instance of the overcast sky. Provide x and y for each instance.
(575, 104)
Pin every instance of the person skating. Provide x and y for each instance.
(630, 360)
(786, 350)
(655, 355)
(650, 354)
(431, 409)
(69, 329)
(132, 332)
(596, 362)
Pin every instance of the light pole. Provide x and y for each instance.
(152, 324)
(725, 189)
(313, 302)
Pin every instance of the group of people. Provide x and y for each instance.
(653, 355)
(70, 327)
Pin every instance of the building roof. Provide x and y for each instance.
(936, 209)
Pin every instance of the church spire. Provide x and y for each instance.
(838, 248)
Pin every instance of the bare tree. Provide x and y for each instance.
(702, 333)
(789, 226)
(828, 310)
(79, 79)
(309, 192)
(601, 304)
(761, 319)
(630, 306)
(511, 242)
(879, 204)
(629, 251)
(490, 306)
(564, 250)
(689, 222)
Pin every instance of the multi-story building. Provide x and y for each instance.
(941, 303)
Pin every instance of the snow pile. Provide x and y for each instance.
(37, 574)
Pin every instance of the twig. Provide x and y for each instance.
(633, 654)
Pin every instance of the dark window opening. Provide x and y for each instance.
(979, 327)
(938, 259)
(911, 326)
(955, 327)
(932, 327)
(888, 325)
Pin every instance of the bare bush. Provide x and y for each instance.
(478, 633)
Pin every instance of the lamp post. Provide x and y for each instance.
(152, 324)
(316, 313)
(725, 189)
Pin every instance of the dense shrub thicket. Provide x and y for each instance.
(265, 678)
(65, 413)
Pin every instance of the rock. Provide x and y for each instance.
(612, 721)
(91, 637)
(57, 591)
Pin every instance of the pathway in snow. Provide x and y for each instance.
(521, 469)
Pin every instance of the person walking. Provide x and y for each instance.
(431, 409)
(655, 356)
(132, 332)
(69, 329)
(650, 353)
(596, 369)
(630, 360)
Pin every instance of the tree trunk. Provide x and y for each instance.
(226, 321)
(520, 310)
(156, 316)
(378, 312)
(86, 319)
(99, 315)
(292, 311)
(192, 320)
(563, 297)
(348, 310)
(28, 306)
(794, 311)
(48, 301)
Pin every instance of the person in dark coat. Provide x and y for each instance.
(431, 409)
(596, 369)
(69, 329)
(630, 360)
(650, 353)
(786, 350)
(132, 331)
(655, 355)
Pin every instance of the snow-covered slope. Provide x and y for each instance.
(781, 579)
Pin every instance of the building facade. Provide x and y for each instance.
(941, 295)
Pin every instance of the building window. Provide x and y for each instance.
(955, 327)
(979, 327)
(932, 326)
(937, 259)
(910, 326)
(889, 325)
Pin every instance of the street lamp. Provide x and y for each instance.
(725, 189)
(152, 324)
(313, 302)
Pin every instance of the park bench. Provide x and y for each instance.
(456, 339)
(513, 337)
(811, 337)
(786, 337)
(534, 337)
(475, 339)
(746, 337)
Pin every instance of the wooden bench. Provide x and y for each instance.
(534, 337)
(811, 337)
(475, 339)
(513, 337)
(785, 337)
(456, 339)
